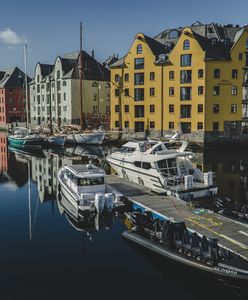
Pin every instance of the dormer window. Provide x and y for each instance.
(139, 49)
(226, 42)
(216, 73)
(186, 45)
(173, 34)
(214, 41)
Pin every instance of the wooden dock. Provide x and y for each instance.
(230, 233)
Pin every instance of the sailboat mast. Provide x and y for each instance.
(26, 84)
(50, 102)
(80, 77)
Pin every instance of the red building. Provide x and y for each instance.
(12, 96)
(3, 153)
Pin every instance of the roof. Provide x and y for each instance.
(12, 78)
(46, 69)
(82, 170)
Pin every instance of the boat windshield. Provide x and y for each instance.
(168, 166)
(90, 181)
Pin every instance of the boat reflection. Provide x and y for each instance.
(88, 223)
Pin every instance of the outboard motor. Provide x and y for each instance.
(208, 178)
(109, 202)
(99, 202)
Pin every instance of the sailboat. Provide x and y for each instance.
(23, 136)
(83, 137)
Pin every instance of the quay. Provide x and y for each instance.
(231, 234)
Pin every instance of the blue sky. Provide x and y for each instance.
(52, 27)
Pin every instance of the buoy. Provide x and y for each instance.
(99, 202)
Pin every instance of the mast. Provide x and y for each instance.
(26, 83)
(80, 67)
(50, 103)
(29, 202)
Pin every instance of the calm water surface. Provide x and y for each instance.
(46, 254)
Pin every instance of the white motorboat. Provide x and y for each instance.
(163, 169)
(83, 185)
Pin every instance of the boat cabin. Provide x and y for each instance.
(85, 179)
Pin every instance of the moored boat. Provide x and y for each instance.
(163, 168)
(186, 248)
(83, 185)
(21, 138)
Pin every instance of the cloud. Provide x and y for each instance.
(9, 37)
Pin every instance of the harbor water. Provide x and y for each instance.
(48, 253)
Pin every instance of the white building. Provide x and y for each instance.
(61, 81)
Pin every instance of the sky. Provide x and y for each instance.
(51, 28)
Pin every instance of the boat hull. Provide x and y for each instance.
(229, 275)
(56, 140)
(36, 142)
(92, 138)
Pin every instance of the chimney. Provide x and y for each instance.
(92, 53)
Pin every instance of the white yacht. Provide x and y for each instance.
(162, 168)
(83, 185)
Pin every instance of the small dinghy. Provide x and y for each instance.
(180, 245)
(84, 187)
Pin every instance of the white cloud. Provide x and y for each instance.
(9, 37)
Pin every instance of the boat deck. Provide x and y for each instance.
(230, 233)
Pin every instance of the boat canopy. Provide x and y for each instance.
(85, 171)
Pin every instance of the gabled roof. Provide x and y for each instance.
(156, 47)
(13, 78)
(46, 69)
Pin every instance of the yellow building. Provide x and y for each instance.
(191, 79)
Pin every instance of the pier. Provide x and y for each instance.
(231, 234)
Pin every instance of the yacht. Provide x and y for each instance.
(83, 185)
(163, 168)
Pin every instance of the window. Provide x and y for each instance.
(152, 126)
(126, 92)
(246, 44)
(216, 108)
(215, 126)
(139, 63)
(233, 108)
(171, 91)
(185, 111)
(186, 127)
(216, 73)
(117, 92)
(200, 73)
(58, 85)
(107, 109)
(200, 90)
(58, 74)
(117, 108)
(38, 78)
(126, 124)
(234, 73)
(64, 83)
(185, 93)
(126, 108)
(64, 96)
(226, 41)
(171, 75)
(213, 41)
(152, 76)
(173, 34)
(126, 77)
(139, 126)
(200, 108)
(234, 90)
(139, 111)
(171, 108)
(138, 94)
(171, 125)
(168, 166)
(216, 90)
(199, 125)
(138, 78)
(95, 84)
(233, 126)
(152, 91)
(117, 78)
(186, 60)
(186, 45)
(117, 124)
(186, 76)
(107, 85)
(94, 96)
(240, 56)
(152, 108)
(139, 49)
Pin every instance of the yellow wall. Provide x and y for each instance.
(129, 100)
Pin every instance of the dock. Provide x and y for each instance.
(231, 234)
